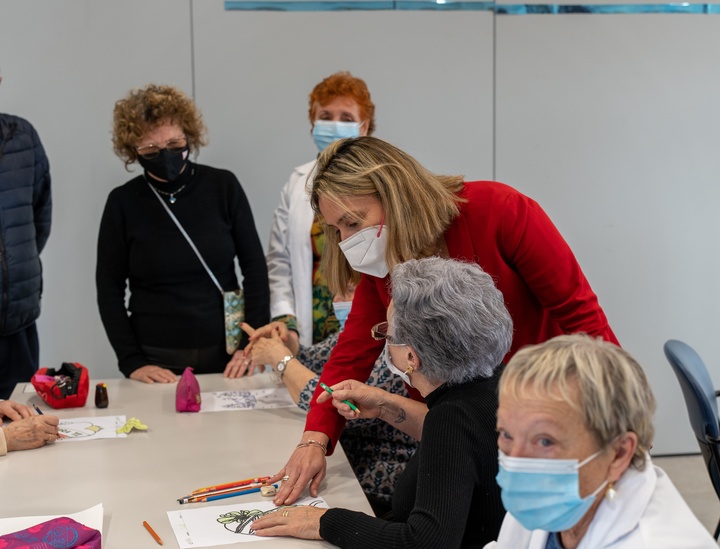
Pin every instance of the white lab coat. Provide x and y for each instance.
(648, 513)
(289, 257)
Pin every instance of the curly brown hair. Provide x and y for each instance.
(343, 84)
(147, 108)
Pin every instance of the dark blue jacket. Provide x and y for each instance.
(25, 214)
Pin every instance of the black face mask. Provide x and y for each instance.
(166, 165)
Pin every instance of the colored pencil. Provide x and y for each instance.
(222, 495)
(224, 491)
(234, 484)
(352, 406)
(152, 532)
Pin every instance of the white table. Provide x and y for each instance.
(140, 477)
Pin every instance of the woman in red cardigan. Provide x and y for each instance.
(381, 208)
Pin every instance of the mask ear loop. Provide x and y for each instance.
(382, 224)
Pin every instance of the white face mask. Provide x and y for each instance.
(393, 368)
(365, 251)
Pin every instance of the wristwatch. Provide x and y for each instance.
(280, 368)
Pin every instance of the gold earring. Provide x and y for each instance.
(409, 370)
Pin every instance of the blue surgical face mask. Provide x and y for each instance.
(544, 494)
(342, 310)
(325, 132)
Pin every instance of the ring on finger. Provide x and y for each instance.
(286, 513)
(285, 478)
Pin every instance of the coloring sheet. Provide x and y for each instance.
(225, 524)
(91, 428)
(92, 517)
(252, 399)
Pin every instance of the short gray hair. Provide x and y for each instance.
(599, 379)
(454, 317)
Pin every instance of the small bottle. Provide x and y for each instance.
(101, 396)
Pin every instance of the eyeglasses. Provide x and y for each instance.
(379, 332)
(174, 146)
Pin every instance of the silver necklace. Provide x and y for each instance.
(172, 198)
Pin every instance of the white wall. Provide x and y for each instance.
(608, 121)
(611, 123)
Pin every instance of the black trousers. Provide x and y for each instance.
(19, 359)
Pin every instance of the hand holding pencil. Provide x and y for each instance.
(352, 398)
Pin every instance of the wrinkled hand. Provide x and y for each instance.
(302, 521)
(369, 400)
(153, 374)
(240, 364)
(31, 432)
(269, 350)
(14, 410)
(288, 337)
(306, 464)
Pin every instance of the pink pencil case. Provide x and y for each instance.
(55, 533)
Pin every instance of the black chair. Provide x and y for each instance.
(701, 402)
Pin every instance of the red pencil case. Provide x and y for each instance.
(65, 387)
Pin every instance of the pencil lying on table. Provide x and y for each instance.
(234, 484)
(221, 494)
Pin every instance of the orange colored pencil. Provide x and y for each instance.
(235, 484)
(152, 532)
(201, 498)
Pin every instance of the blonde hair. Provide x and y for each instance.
(599, 379)
(145, 109)
(418, 205)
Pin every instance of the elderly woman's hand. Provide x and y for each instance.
(289, 337)
(302, 521)
(369, 400)
(31, 432)
(14, 410)
(269, 350)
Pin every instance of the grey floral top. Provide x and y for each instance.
(376, 450)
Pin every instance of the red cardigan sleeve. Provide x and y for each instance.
(354, 355)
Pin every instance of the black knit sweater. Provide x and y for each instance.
(447, 496)
(173, 302)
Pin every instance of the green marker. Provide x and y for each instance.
(352, 406)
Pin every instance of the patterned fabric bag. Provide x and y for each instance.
(234, 316)
(55, 533)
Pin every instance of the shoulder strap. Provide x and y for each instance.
(187, 237)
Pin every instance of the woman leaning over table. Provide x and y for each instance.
(381, 207)
(447, 329)
(574, 429)
(175, 315)
(377, 451)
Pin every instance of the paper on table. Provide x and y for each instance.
(225, 524)
(91, 428)
(92, 517)
(252, 399)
